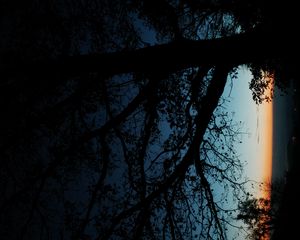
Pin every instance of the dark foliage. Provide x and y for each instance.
(100, 141)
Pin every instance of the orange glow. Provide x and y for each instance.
(267, 146)
(267, 132)
(267, 154)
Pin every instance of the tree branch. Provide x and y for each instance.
(253, 46)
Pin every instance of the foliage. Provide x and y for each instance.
(256, 214)
(116, 155)
(261, 215)
(262, 83)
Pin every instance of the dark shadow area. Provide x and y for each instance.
(106, 134)
(287, 224)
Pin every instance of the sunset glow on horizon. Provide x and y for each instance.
(267, 145)
(266, 142)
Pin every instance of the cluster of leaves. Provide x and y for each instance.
(262, 83)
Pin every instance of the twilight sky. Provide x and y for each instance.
(256, 147)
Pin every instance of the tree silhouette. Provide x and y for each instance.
(108, 136)
(262, 215)
(256, 214)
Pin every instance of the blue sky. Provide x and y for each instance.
(250, 151)
(250, 114)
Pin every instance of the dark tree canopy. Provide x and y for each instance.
(107, 134)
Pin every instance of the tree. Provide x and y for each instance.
(256, 214)
(262, 216)
(108, 136)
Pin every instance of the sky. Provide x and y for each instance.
(256, 146)
(256, 149)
